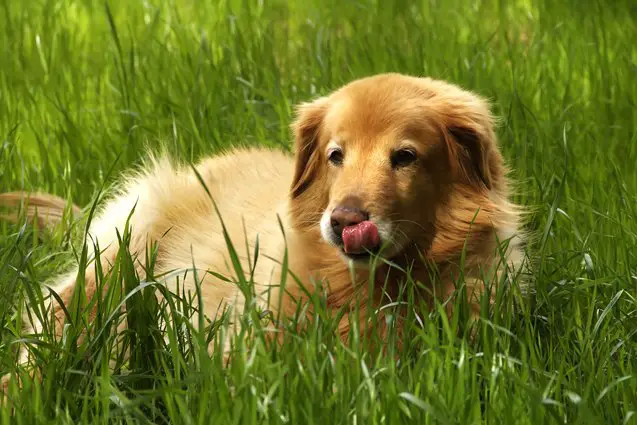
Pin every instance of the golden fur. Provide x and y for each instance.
(454, 197)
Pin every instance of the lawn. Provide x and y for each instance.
(86, 87)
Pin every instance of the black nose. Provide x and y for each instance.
(345, 215)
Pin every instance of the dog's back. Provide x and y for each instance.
(167, 203)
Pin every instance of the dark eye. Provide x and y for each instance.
(402, 157)
(335, 156)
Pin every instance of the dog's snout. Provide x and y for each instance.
(347, 215)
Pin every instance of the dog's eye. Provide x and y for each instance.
(402, 158)
(335, 156)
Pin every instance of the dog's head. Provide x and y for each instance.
(376, 159)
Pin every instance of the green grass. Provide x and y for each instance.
(85, 88)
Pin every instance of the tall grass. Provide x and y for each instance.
(86, 87)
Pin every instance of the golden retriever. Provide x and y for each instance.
(404, 167)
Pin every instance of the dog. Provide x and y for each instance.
(395, 166)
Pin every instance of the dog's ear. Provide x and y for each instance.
(306, 128)
(468, 129)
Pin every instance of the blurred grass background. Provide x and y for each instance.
(86, 87)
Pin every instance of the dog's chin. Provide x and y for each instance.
(363, 260)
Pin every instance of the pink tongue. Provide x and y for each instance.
(359, 237)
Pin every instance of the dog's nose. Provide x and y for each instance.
(344, 216)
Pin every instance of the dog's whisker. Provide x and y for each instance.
(414, 223)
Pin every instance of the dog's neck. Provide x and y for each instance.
(470, 228)
(351, 288)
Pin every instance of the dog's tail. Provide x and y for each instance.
(44, 208)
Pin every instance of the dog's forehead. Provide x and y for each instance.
(368, 112)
